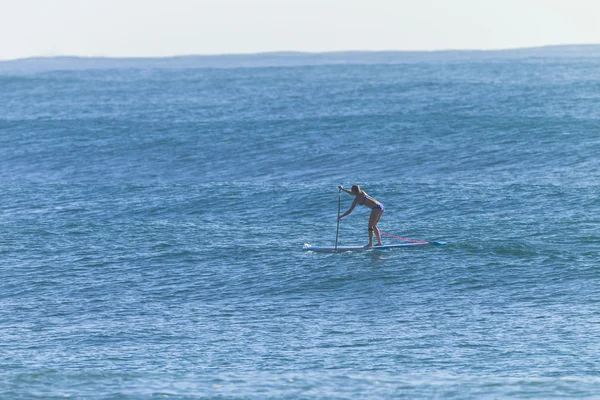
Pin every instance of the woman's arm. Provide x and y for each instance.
(345, 190)
(349, 210)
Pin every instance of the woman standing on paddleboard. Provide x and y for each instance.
(363, 199)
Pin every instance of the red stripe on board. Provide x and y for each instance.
(404, 239)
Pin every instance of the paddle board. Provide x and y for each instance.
(340, 249)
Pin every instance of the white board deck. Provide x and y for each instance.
(340, 249)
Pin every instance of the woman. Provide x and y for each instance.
(363, 199)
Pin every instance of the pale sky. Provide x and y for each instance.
(142, 28)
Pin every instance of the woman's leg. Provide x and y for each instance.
(373, 221)
(371, 228)
(378, 234)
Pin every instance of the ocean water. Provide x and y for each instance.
(152, 224)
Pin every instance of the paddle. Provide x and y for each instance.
(337, 231)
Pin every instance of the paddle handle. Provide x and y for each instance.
(337, 231)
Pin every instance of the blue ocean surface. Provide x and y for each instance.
(153, 222)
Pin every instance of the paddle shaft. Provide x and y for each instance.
(337, 231)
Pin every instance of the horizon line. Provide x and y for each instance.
(301, 52)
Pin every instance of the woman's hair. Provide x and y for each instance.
(355, 189)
